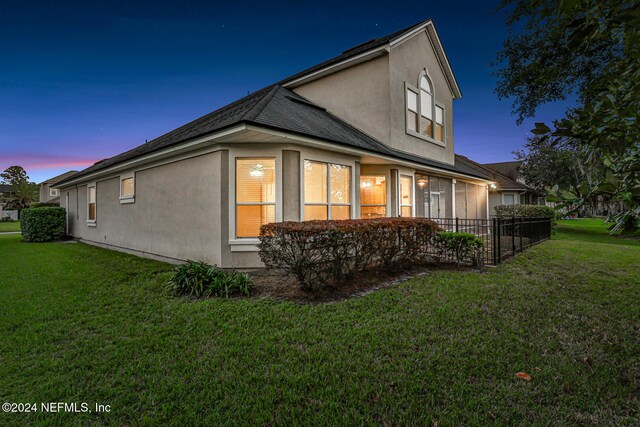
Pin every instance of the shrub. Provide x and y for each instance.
(199, 279)
(42, 224)
(7, 219)
(460, 247)
(319, 251)
(44, 205)
(527, 211)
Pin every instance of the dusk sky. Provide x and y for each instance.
(82, 81)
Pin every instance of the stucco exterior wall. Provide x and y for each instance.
(406, 63)
(495, 199)
(358, 95)
(176, 213)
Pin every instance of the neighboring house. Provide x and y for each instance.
(507, 188)
(5, 195)
(48, 194)
(366, 134)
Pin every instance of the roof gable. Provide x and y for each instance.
(354, 55)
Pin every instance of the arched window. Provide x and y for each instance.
(425, 118)
(426, 107)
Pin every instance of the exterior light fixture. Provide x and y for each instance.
(422, 183)
(492, 186)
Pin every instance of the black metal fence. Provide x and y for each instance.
(502, 237)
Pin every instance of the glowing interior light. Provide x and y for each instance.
(257, 171)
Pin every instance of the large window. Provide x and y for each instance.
(373, 196)
(426, 107)
(91, 203)
(255, 195)
(327, 191)
(406, 196)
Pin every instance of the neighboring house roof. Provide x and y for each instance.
(279, 108)
(5, 187)
(503, 182)
(59, 178)
(380, 42)
(509, 169)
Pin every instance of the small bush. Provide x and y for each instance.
(7, 219)
(42, 224)
(459, 247)
(199, 279)
(316, 252)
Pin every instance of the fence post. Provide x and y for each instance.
(499, 240)
(520, 233)
(493, 240)
(513, 236)
(456, 226)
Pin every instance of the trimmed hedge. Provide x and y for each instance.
(44, 224)
(524, 211)
(44, 205)
(527, 211)
(316, 252)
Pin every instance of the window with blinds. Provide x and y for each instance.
(255, 195)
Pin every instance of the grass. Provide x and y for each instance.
(9, 226)
(591, 230)
(82, 324)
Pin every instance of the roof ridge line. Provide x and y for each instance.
(257, 109)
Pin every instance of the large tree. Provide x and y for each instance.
(14, 175)
(589, 49)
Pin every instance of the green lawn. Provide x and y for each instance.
(591, 230)
(9, 226)
(81, 324)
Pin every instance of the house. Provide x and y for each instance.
(507, 188)
(366, 134)
(48, 194)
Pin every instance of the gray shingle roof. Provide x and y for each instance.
(502, 181)
(59, 178)
(280, 108)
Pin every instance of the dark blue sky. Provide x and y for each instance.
(82, 81)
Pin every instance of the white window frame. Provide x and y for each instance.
(275, 203)
(417, 89)
(54, 192)
(444, 123)
(92, 222)
(329, 204)
(128, 198)
(411, 197)
(386, 205)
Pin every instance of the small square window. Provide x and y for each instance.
(127, 187)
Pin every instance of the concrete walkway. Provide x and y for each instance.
(10, 232)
